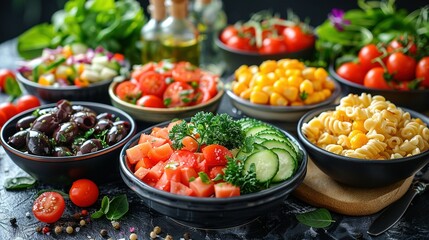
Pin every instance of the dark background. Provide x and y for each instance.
(18, 15)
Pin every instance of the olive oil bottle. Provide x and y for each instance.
(151, 32)
(179, 37)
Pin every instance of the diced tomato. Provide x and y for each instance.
(215, 171)
(163, 183)
(186, 72)
(180, 189)
(188, 174)
(226, 190)
(173, 173)
(138, 152)
(155, 141)
(160, 133)
(184, 158)
(202, 166)
(141, 172)
(161, 153)
(127, 91)
(154, 173)
(143, 69)
(140, 164)
(215, 155)
(202, 189)
(190, 144)
(148, 163)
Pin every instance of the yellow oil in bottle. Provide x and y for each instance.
(181, 50)
(151, 51)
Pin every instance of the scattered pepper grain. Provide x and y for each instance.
(152, 235)
(82, 223)
(58, 229)
(133, 236)
(39, 229)
(103, 232)
(116, 225)
(157, 229)
(168, 237)
(69, 229)
(13, 221)
(186, 236)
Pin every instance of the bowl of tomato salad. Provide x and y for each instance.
(165, 90)
(211, 171)
(74, 72)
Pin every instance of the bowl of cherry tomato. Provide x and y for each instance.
(282, 90)
(394, 70)
(264, 38)
(59, 143)
(72, 72)
(163, 91)
(212, 167)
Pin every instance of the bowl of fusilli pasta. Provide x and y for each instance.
(366, 141)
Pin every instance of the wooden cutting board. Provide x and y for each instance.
(319, 190)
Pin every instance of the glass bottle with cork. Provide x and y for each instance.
(151, 32)
(179, 37)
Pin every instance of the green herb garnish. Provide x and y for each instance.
(19, 183)
(319, 218)
(113, 209)
(246, 180)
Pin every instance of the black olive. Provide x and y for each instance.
(47, 111)
(65, 133)
(18, 140)
(109, 116)
(89, 146)
(102, 124)
(84, 120)
(126, 125)
(61, 151)
(77, 143)
(80, 108)
(46, 123)
(38, 143)
(25, 122)
(116, 134)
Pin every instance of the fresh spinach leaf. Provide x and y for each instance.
(319, 218)
(19, 183)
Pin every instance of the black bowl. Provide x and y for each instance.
(95, 92)
(360, 172)
(100, 166)
(235, 58)
(212, 213)
(416, 99)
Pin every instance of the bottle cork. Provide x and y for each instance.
(158, 11)
(179, 8)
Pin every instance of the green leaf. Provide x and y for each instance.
(33, 41)
(63, 194)
(104, 208)
(118, 207)
(19, 183)
(319, 218)
(97, 214)
(12, 87)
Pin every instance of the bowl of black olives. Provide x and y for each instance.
(59, 143)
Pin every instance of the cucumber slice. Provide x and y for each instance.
(243, 155)
(270, 144)
(287, 165)
(269, 135)
(256, 129)
(266, 164)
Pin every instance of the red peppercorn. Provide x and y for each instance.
(84, 212)
(45, 230)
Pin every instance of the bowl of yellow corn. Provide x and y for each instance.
(74, 72)
(280, 90)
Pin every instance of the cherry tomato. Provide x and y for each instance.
(150, 101)
(227, 33)
(49, 207)
(240, 43)
(215, 155)
(422, 71)
(202, 96)
(367, 55)
(401, 66)
(398, 45)
(178, 94)
(353, 72)
(208, 83)
(374, 78)
(128, 91)
(8, 109)
(296, 39)
(272, 45)
(186, 72)
(152, 83)
(3, 119)
(5, 74)
(26, 102)
(83, 193)
(151, 66)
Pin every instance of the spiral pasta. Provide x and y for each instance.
(368, 127)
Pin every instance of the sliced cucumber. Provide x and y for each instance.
(242, 154)
(287, 165)
(266, 164)
(270, 144)
(256, 129)
(269, 135)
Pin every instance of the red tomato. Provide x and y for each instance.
(215, 155)
(272, 45)
(226, 190)
(422, 71)
(297, 40)
(26, 102)
(49, 207)
(161, 153)
(188, 174)
(83, 193)
(227, 33)
(215, 171)
(375, 79)
(127, 91)
(240, 43)
(181, 189)
(5, 74)
(8, 109)
(353, 72)
(184, 158)
(151, 66)
(401, 66)
(152, 83)
(367, 54)
(202, 189)
(3, 118)
(186, 72)
(190, 144)
(163, 183)
(208, 83)
(178, 94)
(398, 45)
(150, 101)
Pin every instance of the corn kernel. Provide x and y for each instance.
(358, 125)
(259, 97)
(268, 89)
(295, 81)
(242, 69)
(254, 69)
(268, 66)
(279, 72)
(306, 86)
(327, 93)
(354, 133)
(277, 100)
(290, 93)
(340, 115)
(329, 84)
(238, 87)
(246, 94)
(297, 103)
(293, 64)
(244, 77)
(320, 74)
(308, 73)
(358, 140)
(292, 72)
(262, 80)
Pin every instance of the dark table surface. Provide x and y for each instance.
(279, 224)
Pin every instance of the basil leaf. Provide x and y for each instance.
(63, 194)
(97, 214)
(19, 183)
(319, 218)
(12, 87)
(118, 207)
(105, 205)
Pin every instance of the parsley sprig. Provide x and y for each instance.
(211, 129)
(246, 180)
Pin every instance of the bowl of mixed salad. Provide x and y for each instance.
(74, 72)
(211, 167)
